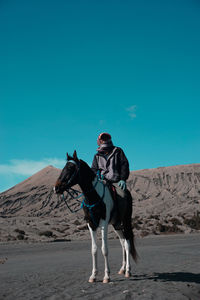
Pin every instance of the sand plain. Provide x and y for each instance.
(169, 267)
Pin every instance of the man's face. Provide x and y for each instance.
(101, 141)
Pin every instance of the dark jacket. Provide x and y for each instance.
(113, 167)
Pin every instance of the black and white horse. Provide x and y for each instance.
(98, 206)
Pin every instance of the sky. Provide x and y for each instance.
(70, 70)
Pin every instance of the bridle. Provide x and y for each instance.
(75, 194)
(77, 164)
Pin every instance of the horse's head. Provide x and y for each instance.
(69, 175)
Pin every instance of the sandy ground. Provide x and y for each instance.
(169, 267)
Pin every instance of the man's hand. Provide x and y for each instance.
(99, 175)
(122, 185)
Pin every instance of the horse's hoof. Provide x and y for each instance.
(92, 280)
(128, 274)
(107, 280)
(121, 272)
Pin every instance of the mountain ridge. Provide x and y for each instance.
(165, 200)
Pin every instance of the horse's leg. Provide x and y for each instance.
(128, 235)
(122, 241)
(123, 267)
(128, 265)
(94, 255)
(104, 248)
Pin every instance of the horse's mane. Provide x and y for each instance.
(89, 173)
(85, 168)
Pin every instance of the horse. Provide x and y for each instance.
(98, 205)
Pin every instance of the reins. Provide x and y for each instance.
(71, 192)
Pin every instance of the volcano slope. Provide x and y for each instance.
(165, 201)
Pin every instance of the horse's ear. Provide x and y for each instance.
(67, 156)
(75, 155)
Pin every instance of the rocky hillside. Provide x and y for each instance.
(32, 196)
(165, 200)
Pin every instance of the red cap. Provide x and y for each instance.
(103, 136)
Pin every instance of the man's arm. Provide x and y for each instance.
(95, 166)
(124, 166)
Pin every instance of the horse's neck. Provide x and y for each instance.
(97, 189)
(91, 187)
(86, 188)
(86, 181)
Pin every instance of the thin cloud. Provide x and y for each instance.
(131, 111)
(102, 122)
(29, 167)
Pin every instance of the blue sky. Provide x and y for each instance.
(72, 69)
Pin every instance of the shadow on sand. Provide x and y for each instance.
(178, 277)
(175, 276)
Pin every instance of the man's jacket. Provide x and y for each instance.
(113, 167)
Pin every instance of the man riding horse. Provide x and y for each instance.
(98, 204)
(110, 164)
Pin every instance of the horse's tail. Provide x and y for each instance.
(128, 234)
(127, 231)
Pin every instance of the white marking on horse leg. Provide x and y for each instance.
(94, 255)
(128, 265)
(104, 249)
(122, 241)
